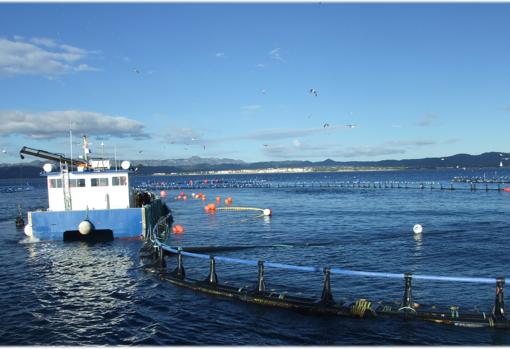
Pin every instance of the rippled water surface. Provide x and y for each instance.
(55, 293)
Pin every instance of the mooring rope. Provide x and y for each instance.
(236, 208)
(338, 271)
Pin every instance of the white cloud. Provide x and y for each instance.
(41, 56)
(426, 120)
(260, 65)
(56, 124)
(220, 54)
(300, 150)
(282, 133)
(44, 42)
(415, 143)
(275, 54)
(305, 151)
(183, 135)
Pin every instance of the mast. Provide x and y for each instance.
(71, 142)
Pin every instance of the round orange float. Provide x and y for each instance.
(178, 229)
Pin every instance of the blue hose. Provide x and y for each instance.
(333, 270)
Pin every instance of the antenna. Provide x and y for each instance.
(71, 142)
(115, 156)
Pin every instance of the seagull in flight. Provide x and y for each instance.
(314, 92)
(326, 125)
(136, 71)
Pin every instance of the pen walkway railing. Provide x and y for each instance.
(424, 185)
(497, 314)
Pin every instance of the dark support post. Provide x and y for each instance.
(327, 296)
(261, 285)
(486, 187)
(407, 301)
(179, 270)
(451, 186)
(161, 257)
(212, 278)
(441, 186)
(498, 312)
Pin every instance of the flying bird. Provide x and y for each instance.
(136, 71)
(266, 145)
(350, 126)
(263, 92)
(314, 92)
(326, 125)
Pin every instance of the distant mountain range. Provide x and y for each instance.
(198, 164)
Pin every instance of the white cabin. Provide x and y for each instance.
(90, 190)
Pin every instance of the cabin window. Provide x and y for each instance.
(55, 183)
(122, 180)
(77, 182)
(99, 182)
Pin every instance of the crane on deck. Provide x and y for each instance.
(52, 156)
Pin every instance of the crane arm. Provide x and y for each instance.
(51, 156)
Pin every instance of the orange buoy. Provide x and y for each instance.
(228, 201)
(163, 194)
(210, 208)
(218, 199)
(507, 189)
(185, 197)
(178, 229)
(181, 193)
(203, 198)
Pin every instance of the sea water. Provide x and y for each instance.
(56, 293)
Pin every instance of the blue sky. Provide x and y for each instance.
(233, 80)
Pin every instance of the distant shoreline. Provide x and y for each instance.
(281, 170)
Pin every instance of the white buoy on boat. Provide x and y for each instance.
(85, 227)
(267, 212)
(125, 164)
(28, 230)
(48, 168)
(417, 229)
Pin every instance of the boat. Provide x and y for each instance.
(89, 199)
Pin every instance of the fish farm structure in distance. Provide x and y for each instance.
(159, 253)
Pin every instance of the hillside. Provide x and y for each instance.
(197, 164)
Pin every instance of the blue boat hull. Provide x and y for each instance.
(124, 223)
